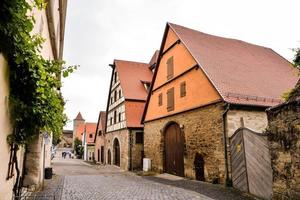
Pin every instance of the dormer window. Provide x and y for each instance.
(146, 85)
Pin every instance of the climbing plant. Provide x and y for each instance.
(35, 100)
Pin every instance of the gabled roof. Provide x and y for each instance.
(101, 123)
(154, 58)
(131, 74)
(79, 117)
(134, 111)
(241, 72)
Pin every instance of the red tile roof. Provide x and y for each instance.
(154, 58)
(134, 111)
(242, 73)
(90, 128)
(131, 74)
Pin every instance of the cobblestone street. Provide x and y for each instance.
(76, 180)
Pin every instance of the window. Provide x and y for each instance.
(182, 89)
(115, 95)
(147, 86)
(91, 135)
(139, 138)
(170, 68)
(115, 77)
(160, 99)
(99, 132)
(111, 121)
(111, 100)
(119, 117)
(170, 99)
(115, 117)
(120, 94)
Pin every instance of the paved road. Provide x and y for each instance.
(76, 180)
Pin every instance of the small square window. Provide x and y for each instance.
(91, 135)
(139, 138)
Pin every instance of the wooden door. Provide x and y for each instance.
(116, 152)
(109, 157)
(174, 146)
(199, 167)
(98, 155)
(102, 154)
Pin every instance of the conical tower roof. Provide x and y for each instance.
(79, 117)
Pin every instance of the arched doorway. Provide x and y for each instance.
(109, 157)
(174, 147)
(116, 152)
(199, 167)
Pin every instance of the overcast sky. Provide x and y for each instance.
(99, 31)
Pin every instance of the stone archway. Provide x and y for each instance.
(173, 149)
(116, 149)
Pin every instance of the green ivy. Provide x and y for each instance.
(36, 103)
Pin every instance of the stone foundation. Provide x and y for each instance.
(203, 134)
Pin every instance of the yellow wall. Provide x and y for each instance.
(199, 90)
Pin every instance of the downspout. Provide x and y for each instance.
(224, 114)
(130, 150)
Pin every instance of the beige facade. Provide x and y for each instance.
(39, 153)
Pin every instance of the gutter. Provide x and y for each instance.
(224, 115)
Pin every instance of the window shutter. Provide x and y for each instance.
(182, 89)
(160, 99)
(170, 99)
(170, 68)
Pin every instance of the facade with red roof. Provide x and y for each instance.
(204, 88)
(85, 131)
(130, 82)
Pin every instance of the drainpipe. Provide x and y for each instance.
(224, 114)
(130, 150)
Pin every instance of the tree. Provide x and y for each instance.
(297, 58)
(78, 147)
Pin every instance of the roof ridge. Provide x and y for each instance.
(131, 61)
(217, 36)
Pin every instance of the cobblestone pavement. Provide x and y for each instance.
(82, 181)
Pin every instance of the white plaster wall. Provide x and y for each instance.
(5, 129)
(254, 120)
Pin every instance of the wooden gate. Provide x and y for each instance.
(251, 163)
(174, 146)
(116, 152)
(109, 157)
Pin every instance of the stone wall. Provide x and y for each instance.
(284, 137)
(136, 151)
(253, 119)
(202, 129)
(122, 136)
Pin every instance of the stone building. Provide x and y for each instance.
(284, 137)
(204, 88)
(129, 85)
(100, 139)
(50, 24)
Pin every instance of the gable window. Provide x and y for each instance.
(119, 117)
(115, 95)
(91, 135)
(139, 138)
(120, 94)
(170, 68)
(183, 89)
(160, 99)
(115, 117)
(115, 77)
(170, 99)
(99, 132)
